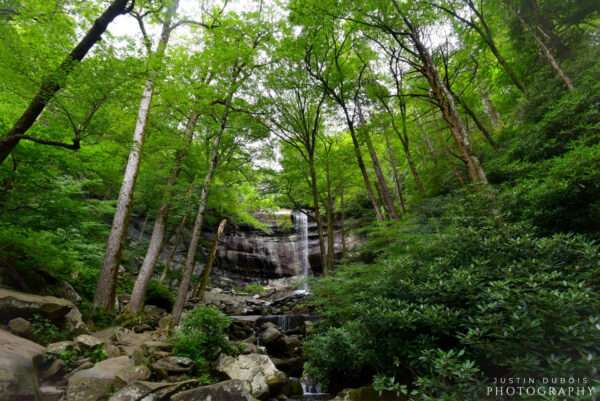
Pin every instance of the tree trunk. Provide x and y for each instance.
(171, 255)
(51, 85)
(138, 294)
(203, 283)
(490, 110)
(143, 227)
(407, 152)
(486, 34)
(362, 167)
(447, 105)
(505, 66)
(395, 174)
(535, 31)
(382, 186)
(190, 260)
(486, 133)
(105, 290)
(315, 196)
(403, 136)
(330, 223)
(553, 61)
(343, 221)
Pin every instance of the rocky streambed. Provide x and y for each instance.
(136, 363)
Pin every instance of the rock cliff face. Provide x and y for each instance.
(245, 252)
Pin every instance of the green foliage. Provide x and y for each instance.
(548, 168)
(254, 289)
(26, 249)
(45, 331)
(71, 356)
(159, 295)
(202, 337)
(474, 298)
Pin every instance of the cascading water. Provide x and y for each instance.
(301, 224)
(312, 390)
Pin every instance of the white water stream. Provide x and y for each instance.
(301, 225)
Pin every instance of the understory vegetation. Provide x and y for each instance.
(455, 300)
(202, 337)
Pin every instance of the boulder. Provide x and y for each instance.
(230, 390)
(97, 382)
(51, 393)
(20, 360)
(66, 290)
(20, 327)
(55, 368)
(248, 346)
(173, 365)
(293, 343)
(60, 347)
(293, 388)
(270, 334)
(74, 322)
(155, 347)
(113, 351)
(86, 341)
(256, 369)
(367, 394)
(139, 391)
(292, 367)
(128, 341)
(19, 304)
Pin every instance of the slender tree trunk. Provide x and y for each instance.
(427, 138)
(404, 139)
(343, 221)
(178, 235)
(447, 106)
(505, 66)
(552, 60)
(190, 260)
(52, 84)
(169, 260)
(203, 283)
(486, 34)
(536, 31)
(330, 222)
(395, 174)
(143, 227)
(138, 294)
(486, 133)
(407, 152)
(490, 110)
(361, 166)
(384, 191)
(318, 218)
(105, 290)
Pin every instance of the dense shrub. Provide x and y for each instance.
(159, 295)
(548, 163)
(202, 337)
(445, 309)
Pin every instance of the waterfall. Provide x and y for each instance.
(301, 224)
(312, 390)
